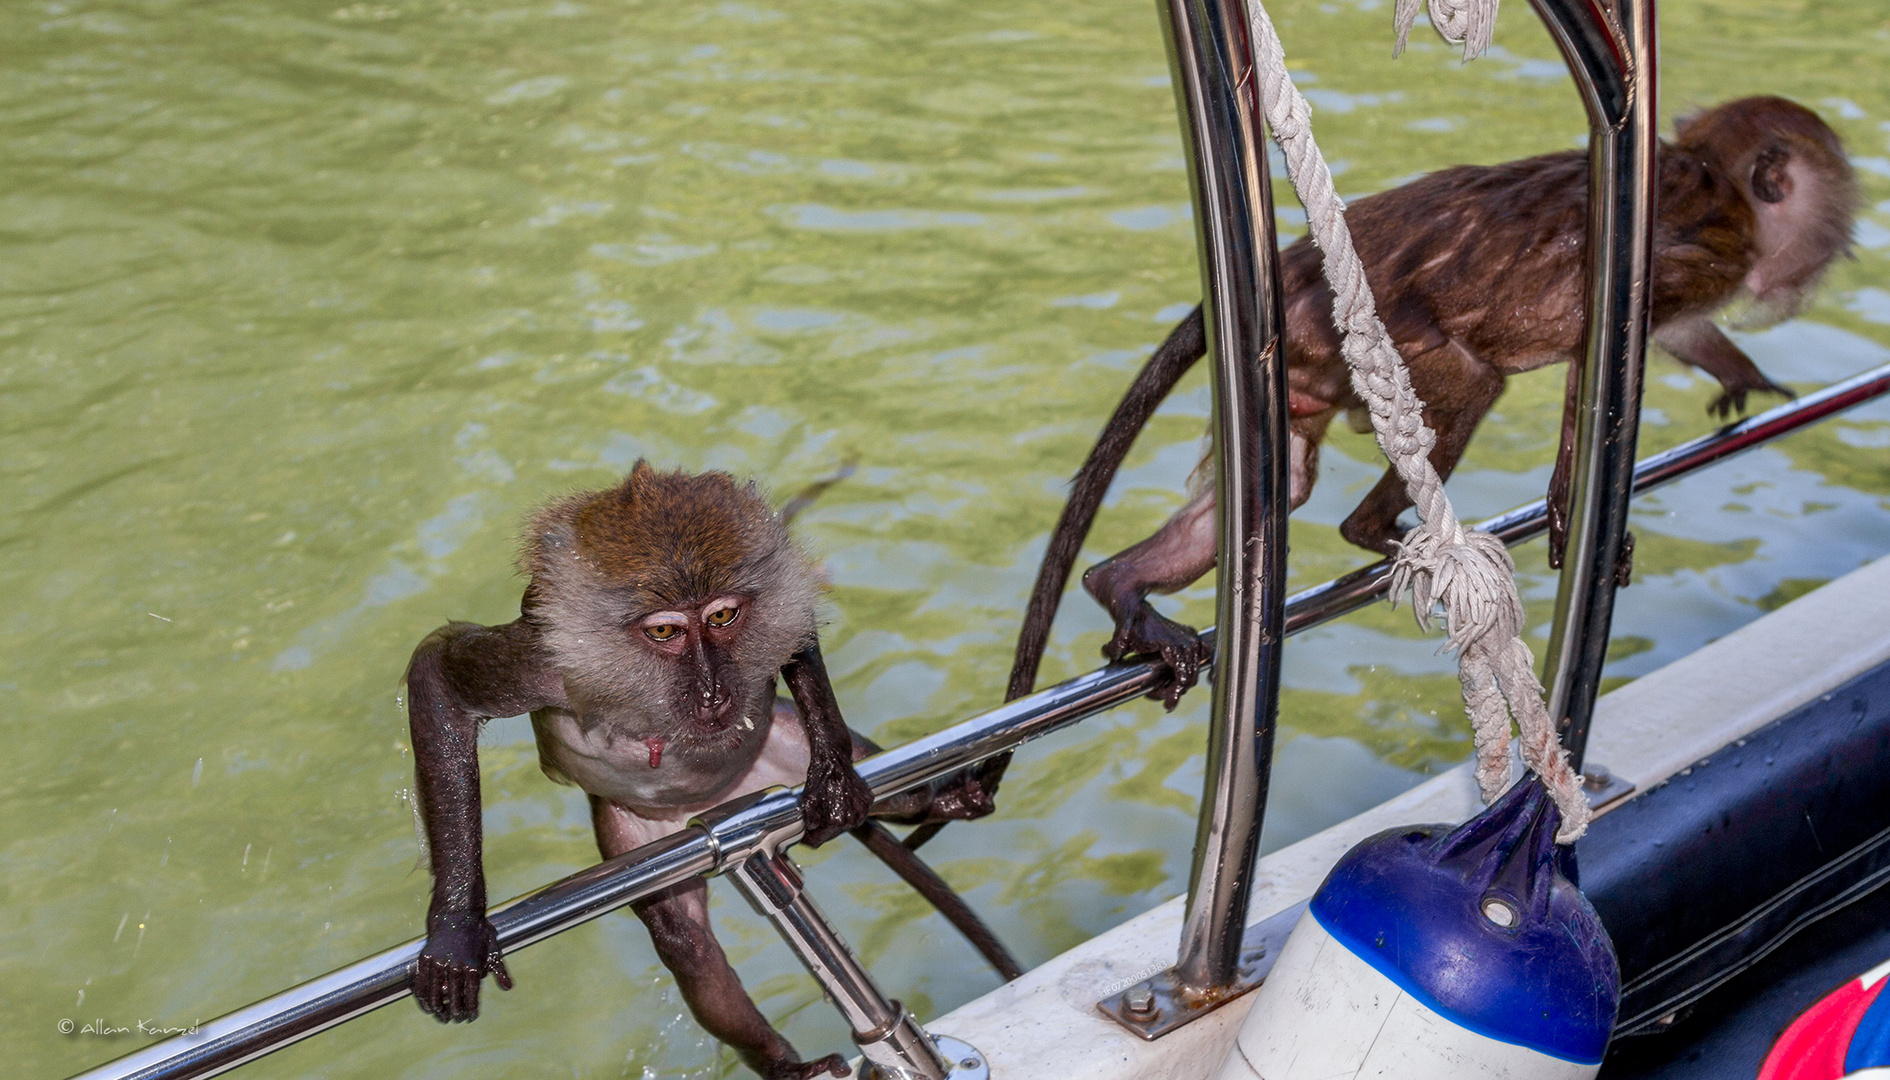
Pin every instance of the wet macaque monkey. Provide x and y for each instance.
(659, 616)
(1479, 273)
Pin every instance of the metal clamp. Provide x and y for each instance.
(1159, 1004)
(893, 1043)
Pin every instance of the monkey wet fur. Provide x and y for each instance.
(659, 616)
(1478, 273)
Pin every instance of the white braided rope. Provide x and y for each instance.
(1468, 21)
(1468, 573)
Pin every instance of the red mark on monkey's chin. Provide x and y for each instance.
(656, 752)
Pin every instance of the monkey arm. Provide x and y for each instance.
(1695, 340)
(460, 675)
(835, 798)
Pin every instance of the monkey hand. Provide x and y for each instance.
(784, 1069)
(1147, 633)
(1733, 398)
(461, 948)
(834, 800)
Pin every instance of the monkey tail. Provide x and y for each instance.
(805, 498)
(1186, 344)
(939, 894)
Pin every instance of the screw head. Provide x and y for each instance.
(969, 1063)
(1140, 1000)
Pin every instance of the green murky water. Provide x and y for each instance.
(303, 306)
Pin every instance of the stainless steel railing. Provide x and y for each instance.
(1610, 48)
(368, 984)
(1211, 51)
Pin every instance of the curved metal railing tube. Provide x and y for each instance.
(1610, 48)
(1211, 51)
(366, 985)
(1327, 601)
(890, 1040)
(755, 825)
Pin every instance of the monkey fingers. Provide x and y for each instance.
(1149, 634)
(461, 948)
(831, 1065)
(1727, 403)
(963, 797)
(1733, 399)
(834, 801)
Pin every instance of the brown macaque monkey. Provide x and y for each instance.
(659, 615)
(1479, 273)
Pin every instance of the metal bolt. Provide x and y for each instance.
(968, 1063)
(1499, 912)
(1596, 778)
(1140, 1001)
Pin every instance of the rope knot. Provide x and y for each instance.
(1464, 573)
(1471, 22)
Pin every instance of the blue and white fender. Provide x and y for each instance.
(1433, 953)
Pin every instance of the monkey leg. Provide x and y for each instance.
(678, 921)
(1180, 552)
(1562, 476)
(1457, 388)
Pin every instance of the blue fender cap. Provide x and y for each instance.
(1482, 924)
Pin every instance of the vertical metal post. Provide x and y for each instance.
(888, 1037)
(1610, 48)
(1210, 46)
(1211, 51)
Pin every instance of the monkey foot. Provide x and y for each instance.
(1147, 633)
(831, 1065)
(963, 799)
(962, 796)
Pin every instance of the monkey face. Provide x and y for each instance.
(669, 603)
(697, 645)
(1793, 171)
(694, 669)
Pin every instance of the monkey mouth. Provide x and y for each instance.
(721, 723)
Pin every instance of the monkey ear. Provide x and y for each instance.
(641, 474)
(1771, 181)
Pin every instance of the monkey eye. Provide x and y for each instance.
(661, 631)
(722, 616)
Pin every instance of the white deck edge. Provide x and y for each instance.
(1045, 1024)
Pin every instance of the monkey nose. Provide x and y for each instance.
(711, 701)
